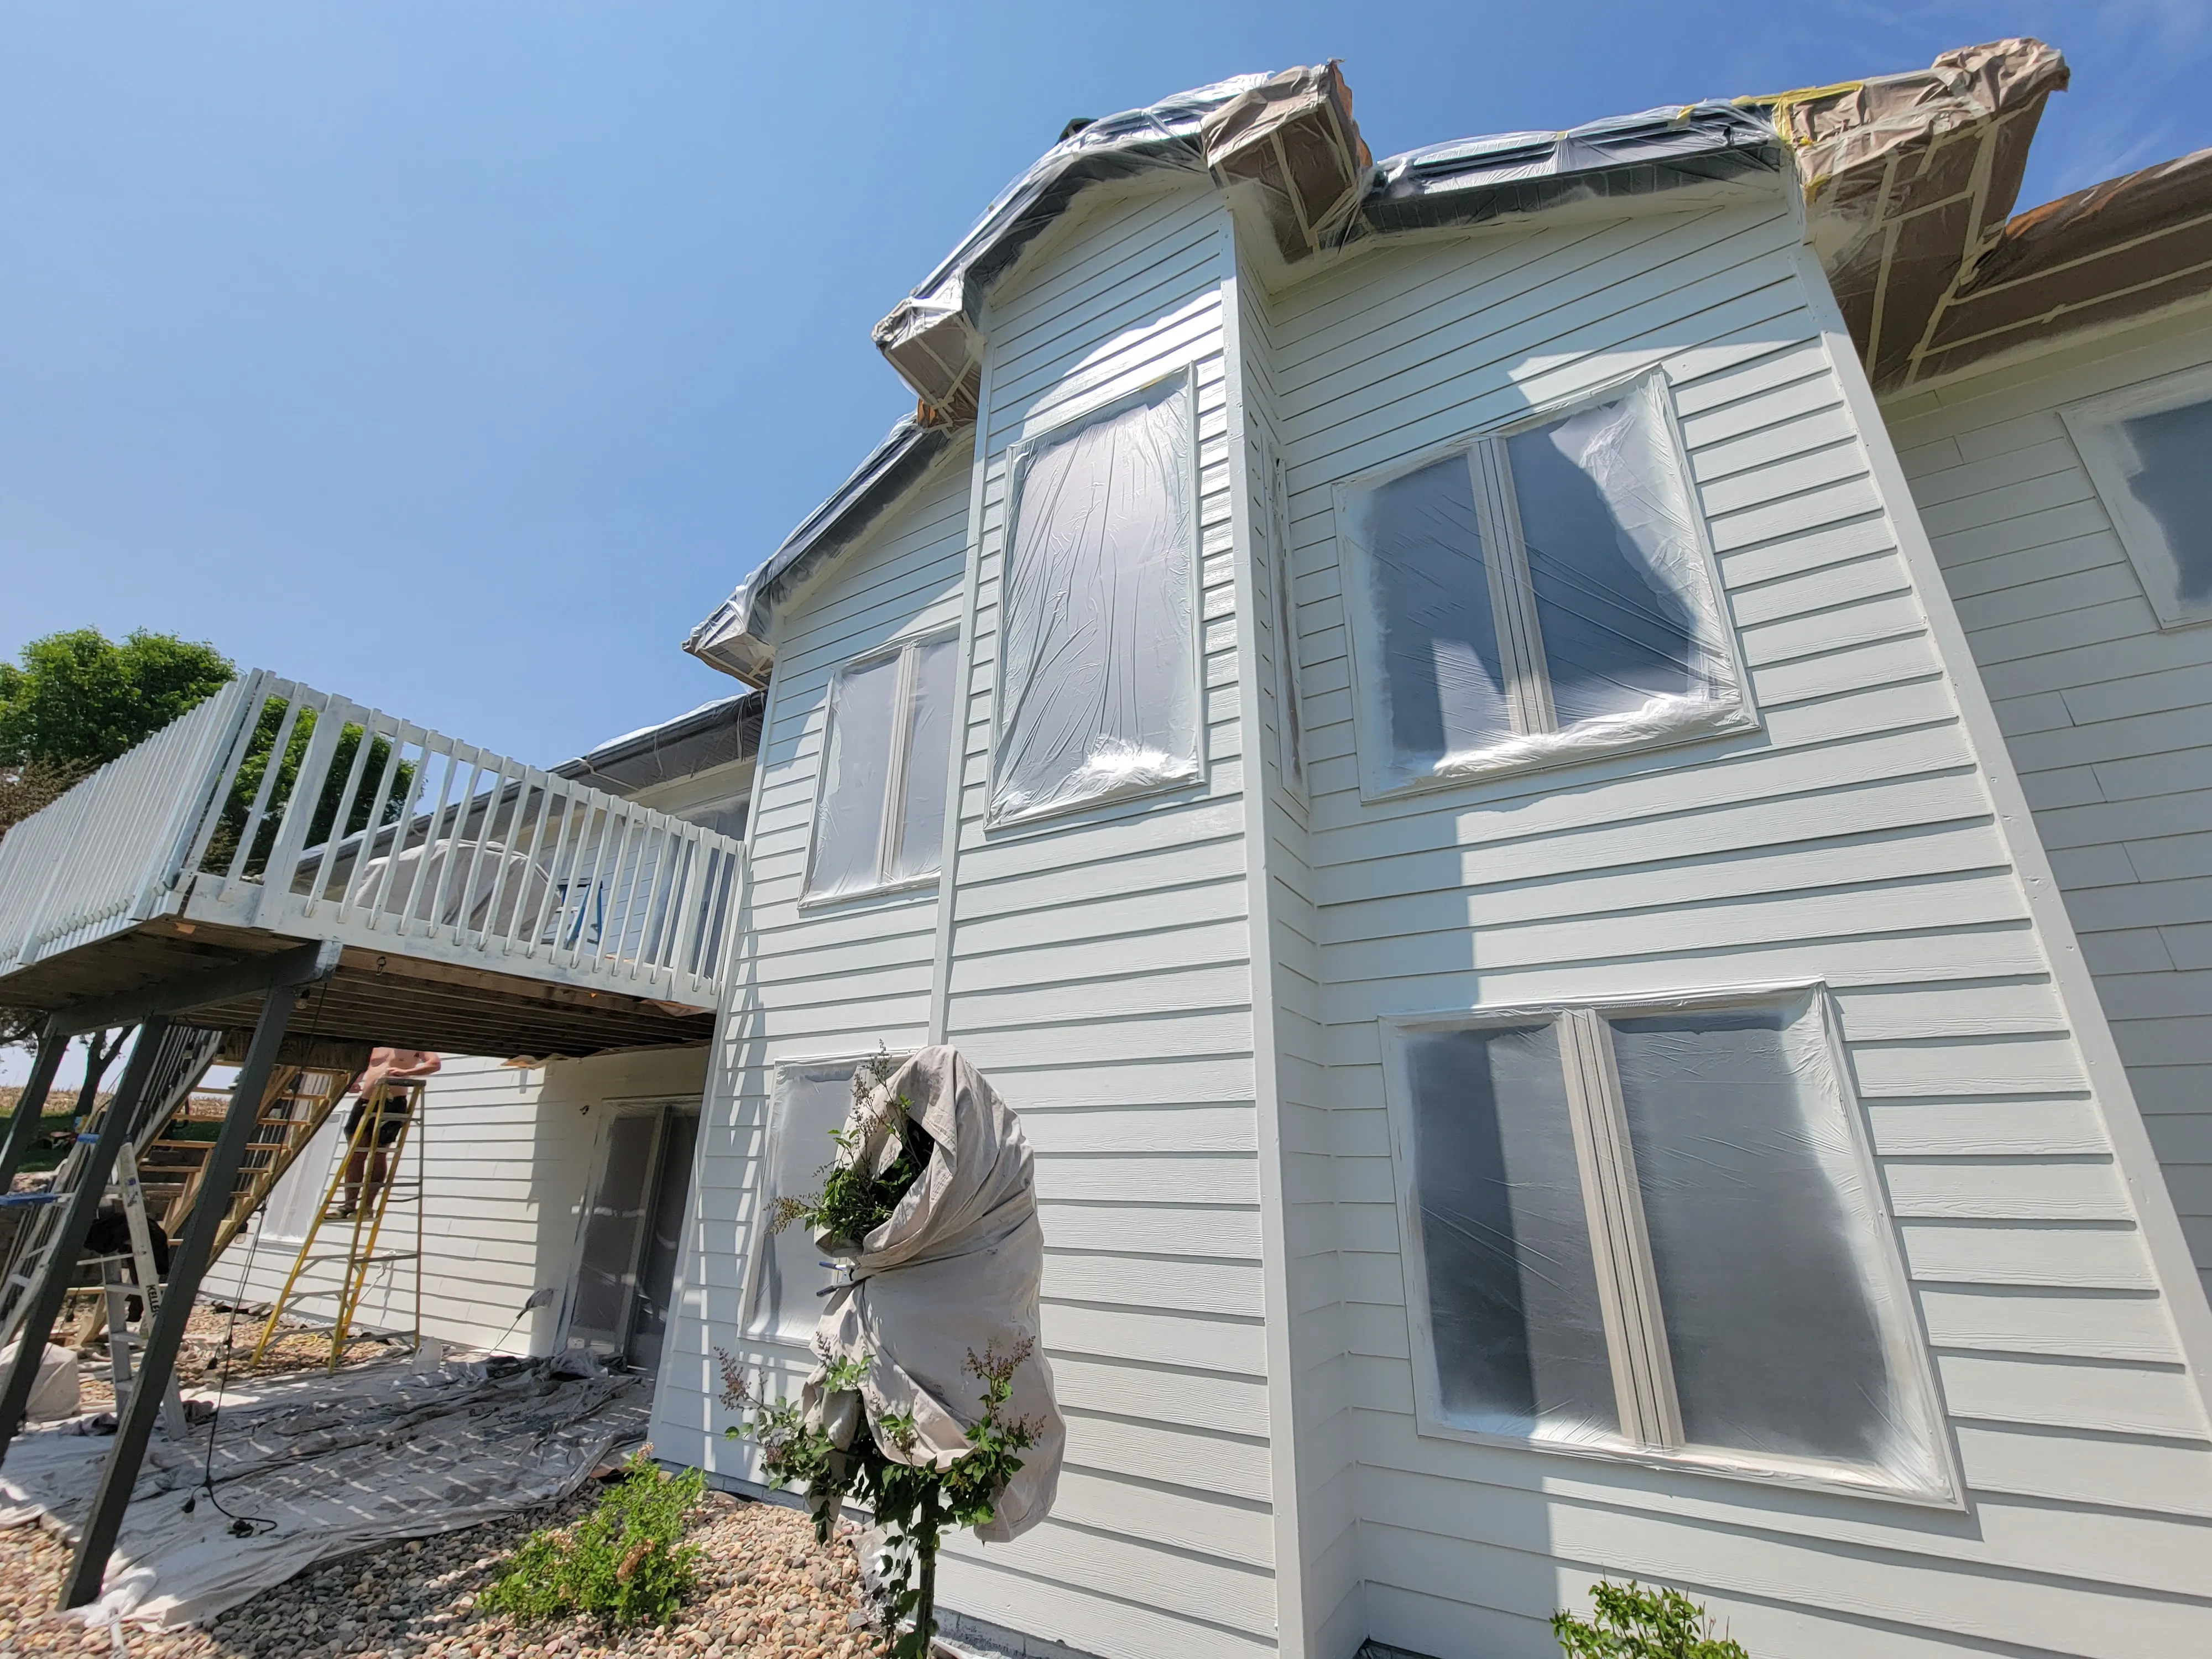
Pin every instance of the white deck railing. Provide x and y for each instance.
(275, 807)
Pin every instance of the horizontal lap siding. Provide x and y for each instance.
(1851, 840)
(508, 1155)
(813, 980)
(1099, 971)
(2108, 717)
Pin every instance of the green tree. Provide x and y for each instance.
(80, 699)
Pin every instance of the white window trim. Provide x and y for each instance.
(1909, 1348)
(1520, 652)
(757, 1233)
(908, 649)
(2092, 425)
(1076, 413)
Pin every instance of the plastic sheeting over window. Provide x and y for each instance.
(1513, 1295)
(812, 1099)
(879, 818)
(1537, 599)
(1098, 684)
(1664, 1243)
(2148, 449)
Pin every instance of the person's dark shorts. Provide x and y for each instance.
(387, 1129)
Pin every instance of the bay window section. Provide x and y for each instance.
(1653, 1231)
(879, 814)
(1535, 596)
(1098, 682)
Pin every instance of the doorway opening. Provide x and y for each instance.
(632, 1236)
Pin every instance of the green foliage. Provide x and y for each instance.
(373, 799)
(913, 1502)
(625, 1562)
(1635, 1622)
(856, 1198)
(81, 699)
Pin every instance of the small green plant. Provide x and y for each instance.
(913, 1502)
(1632, 1622)
(625, 1562)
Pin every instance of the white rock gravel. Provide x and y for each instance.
(766, 1590)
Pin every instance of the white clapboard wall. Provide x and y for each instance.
(1861, 838)
(510, 1155)
(806, 981)
(2108, 718)
(1097, 966)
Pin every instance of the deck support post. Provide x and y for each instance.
(188, 1264)
(23, 1127)
(51, 1287)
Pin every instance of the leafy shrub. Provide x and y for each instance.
(624, 1562)
(1635, 1622)
(856, 1198)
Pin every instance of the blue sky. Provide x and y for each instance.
(459, 357)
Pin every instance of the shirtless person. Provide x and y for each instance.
(382, 1063)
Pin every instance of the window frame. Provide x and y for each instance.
(1380, 778)
(1063, 422)
(908, 648)
(2093, 426)
(1646, 1391)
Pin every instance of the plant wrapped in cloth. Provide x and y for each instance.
(929, 1402)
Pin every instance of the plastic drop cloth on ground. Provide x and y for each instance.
(954, 1271)
(369, 1456)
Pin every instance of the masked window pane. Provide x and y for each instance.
(1513, 1299)
(1099, 697)
(811, 1099)
(921, 839)
(2169, 473)
(1762, 1237)
(1441, 681)
(1613, 561)
(849, 817)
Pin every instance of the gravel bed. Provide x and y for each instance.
(766, 1590)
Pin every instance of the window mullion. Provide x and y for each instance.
(1643, 1373)
(887, 829)
(1512, 596)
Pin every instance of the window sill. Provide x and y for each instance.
(1796, 1473)
(859, 895)
(1675, 721)
(1184, 780)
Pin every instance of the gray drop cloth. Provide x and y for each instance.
(371, 1455)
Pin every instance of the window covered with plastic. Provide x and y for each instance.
(879, 817)
(1537, 597)
(783, 1293)
(2148, 449)
(1098, 684)
(1653, 1231)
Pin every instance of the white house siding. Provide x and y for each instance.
(2109, 719)
(1098, 967)
(508, 1156)
(1852, 839)
(1328, 1601)
(832, 980)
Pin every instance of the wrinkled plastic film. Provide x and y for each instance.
(856, 765)
(1514, 1310)
(918, 840)
(2164, 461)
(1765, 1243)
(812, 1100)
(1626, 641)
(1631, 627)
(1099, 694)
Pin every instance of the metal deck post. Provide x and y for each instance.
(23, 1128)
(60, 1267)
(188, 1262)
